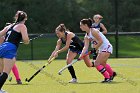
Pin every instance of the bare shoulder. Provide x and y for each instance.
(22, 25)
(101, 24)
(94, 31)
(20, 28)
(70, 34)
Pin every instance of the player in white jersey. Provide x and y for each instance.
(100, 26)
(103, 46)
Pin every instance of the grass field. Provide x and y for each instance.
(48, 81)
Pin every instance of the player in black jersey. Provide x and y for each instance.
(13, 33)
(74, 46)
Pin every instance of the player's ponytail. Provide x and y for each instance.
(20, 16)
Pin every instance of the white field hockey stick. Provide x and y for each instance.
(33, 38)
(49, 61)
(74, 61)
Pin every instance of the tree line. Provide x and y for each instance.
(45, 15)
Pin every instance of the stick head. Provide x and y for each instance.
(59, 73)
(26, 80)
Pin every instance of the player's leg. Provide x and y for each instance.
(110, 71)
(106, 53)
(8, 64)
(94, 54)
(100, 65)
(1, 65)
(87, 61)
(16, 74)
(70, 56)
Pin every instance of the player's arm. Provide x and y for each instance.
(98, 38)
(24, 34)
(66, 47)
(58, 45)
(3, 32)
(85, 48)
(104, 28)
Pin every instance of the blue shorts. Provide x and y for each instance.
(8, 50)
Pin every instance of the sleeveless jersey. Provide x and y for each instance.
(97, 26)
(91, 37)
(13, 36)
(76, 43)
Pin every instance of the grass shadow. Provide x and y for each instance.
(113, 82)
(16, 84)
(85, 82)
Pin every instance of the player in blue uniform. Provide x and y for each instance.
(14, 69)
(74, 46)
(98, 25)
(13, 33)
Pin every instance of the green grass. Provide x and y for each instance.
(48, 81)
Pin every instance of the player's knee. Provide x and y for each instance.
(89, 65)
(68, 61)
(96, 63)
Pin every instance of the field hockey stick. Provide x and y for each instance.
(49, 61)
(33, 38)
(74, 61)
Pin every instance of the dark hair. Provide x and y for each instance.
(21, 16)
(87, 21)
(61, 28)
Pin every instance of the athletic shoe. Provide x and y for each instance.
(106, 80)
(114, 75)
(19, 81)
(3, 91)
(73, 80)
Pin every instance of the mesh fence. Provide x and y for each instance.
(42, 47)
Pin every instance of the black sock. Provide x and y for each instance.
(94, 54)
(3, 78)
(93, 64)
(72, 72)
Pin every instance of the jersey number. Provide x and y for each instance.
(8, 34)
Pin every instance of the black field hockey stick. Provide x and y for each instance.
(34, 38)
(49, 61)
(74, 61)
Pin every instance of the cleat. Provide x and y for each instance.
(114, 75)
(106, 80)
(73, 80)
(19, 81)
